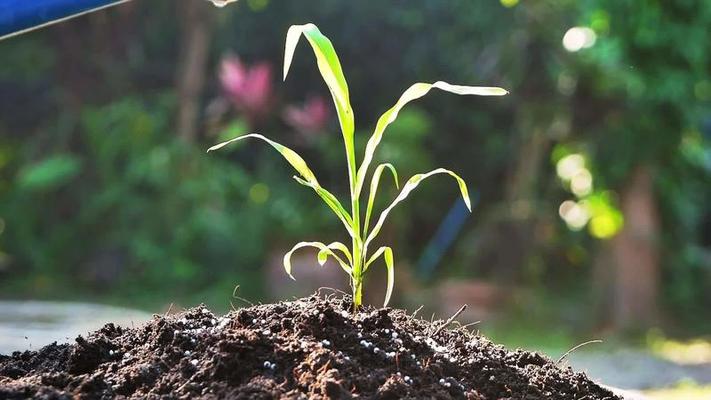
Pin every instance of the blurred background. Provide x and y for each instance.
(591, 181)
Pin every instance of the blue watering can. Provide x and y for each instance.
(20, 16)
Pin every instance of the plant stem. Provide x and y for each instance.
(358, 255)
(357, 293)
(357, 277)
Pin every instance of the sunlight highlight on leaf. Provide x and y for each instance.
(355, 260)
(290, 155)
(333, 203)
(411, 184)
(415, 92)
(375, 181)
(322, 248)
(332, 73)
(387, 252)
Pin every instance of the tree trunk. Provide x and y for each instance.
(196, 23)
(632, 258)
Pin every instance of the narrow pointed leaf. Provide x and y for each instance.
(321, 247)
(328, 63)
(374, 258)
(415, 92)
(332, 73)
(290, 155)
(322, 257)
(343, 249)
(333, 203)
(411, 184)
(307, 176)
(387, 254)
(390, 265)
(374, 182)
(325, 253)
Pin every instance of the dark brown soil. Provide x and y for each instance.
(308, 348)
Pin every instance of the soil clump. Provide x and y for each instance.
(310, 348)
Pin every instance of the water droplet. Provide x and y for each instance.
(222, 3)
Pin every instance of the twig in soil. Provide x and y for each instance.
(234, 296)
(324, 368)
(318, 291)
(416, 311)
(170, 308)
(189, 381)
(567, 353)
(465, 326)
(449, 321)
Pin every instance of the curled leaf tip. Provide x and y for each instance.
(493, 91)
(322, 257)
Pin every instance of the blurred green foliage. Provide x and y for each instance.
(95, 186)
(138, 214)
(649, 75)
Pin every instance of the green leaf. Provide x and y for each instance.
(343, 249)
(322, 257)
(374, 182)
(322, 248)
(290, 155)
(309, 179)
(333, 203)
(415, 92)
(326, 57)
(387, 252)
(323, 254)
(390, 264)
(411, 184)
(49, 173)
(330, 68)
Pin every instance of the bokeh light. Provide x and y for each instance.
(570, 165)
(259, 193)
(578, 38)
(575, 215)
(606, 220)
(581, 183)
(508, 3)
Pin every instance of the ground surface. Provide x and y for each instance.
(30, 325)
(635, 369)
(308, 348)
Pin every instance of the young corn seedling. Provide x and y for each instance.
(357, 259)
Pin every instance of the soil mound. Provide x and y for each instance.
(307, 348)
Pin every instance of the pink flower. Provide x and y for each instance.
(249, 88)
(311, 118)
